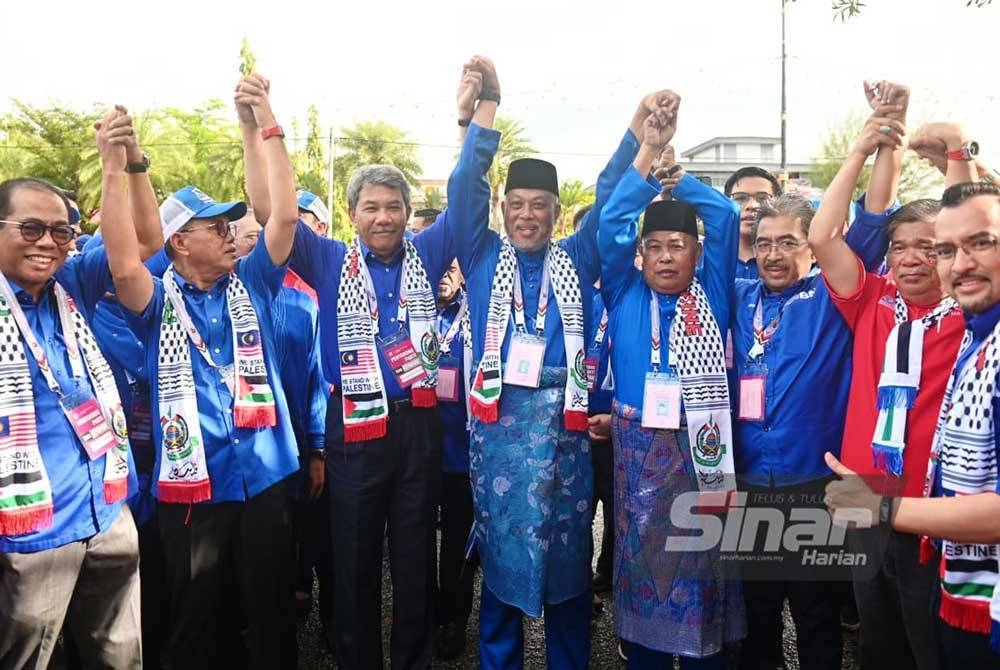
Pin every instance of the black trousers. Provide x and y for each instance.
(209, 548)
(455, 582)
(602, 457)
(390, 484)
(815, 605)
(315, 549)
(155, 602)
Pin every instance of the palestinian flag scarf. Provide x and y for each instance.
(183, 475)
(900, 382)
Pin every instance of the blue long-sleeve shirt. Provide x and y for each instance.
(626, 292)
(808, 369)
(242, 462)
(318, 261)
(77, 482)
(600, 397)
(479, 247)
(455, 454)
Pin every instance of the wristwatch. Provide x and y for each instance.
(318, 454)
(490, 94)
(141, 166)
(968, 152)
(885, 511)
(273, 131)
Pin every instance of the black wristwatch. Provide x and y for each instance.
(490, 94)
(318, 454)
(141, 166)
(885, 511)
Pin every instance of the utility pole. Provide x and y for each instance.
(783, 177)
(329, 181)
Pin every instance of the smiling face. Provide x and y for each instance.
(528, 217)
(972, 279)
(669, 259)
(783, 255)
(380, 218)
(32, 264)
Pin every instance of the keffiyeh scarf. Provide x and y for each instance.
(366, 407)
(900, 382)
(487, 386)
(26, 503)
(183, 475)
(964, 448)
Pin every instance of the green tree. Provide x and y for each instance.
(309, 162)
(573, 196)
(433, 198)
(918, 179)
(846, 9)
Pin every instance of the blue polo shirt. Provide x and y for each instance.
(603, 393)
(77, 482)
(453, 414)
(808, 369)
(628, 295)
(747, 269)
(479, 247)
(242, 462)
(318, 261)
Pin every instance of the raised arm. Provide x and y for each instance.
(254, 162)
(888, 99)
(826, 232)
(133, 283)
(935, 140)
(142, 201)
(279, 227)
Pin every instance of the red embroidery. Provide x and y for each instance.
(688, 307)
(981, 360)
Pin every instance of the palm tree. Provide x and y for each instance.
(513, 145)
(371, 142)
(573, 196)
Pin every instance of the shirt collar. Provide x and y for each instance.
(187, 287)
(368, 255)
(24, 296)
(982, 324)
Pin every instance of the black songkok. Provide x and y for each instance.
(532, 173)
(670, 215)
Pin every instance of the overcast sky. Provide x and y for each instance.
(572, 72)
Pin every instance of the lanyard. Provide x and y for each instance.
(401, 309)
(654, 336)
(180, 310)
(445, 340)
(763, 334)
(37, 351)
(602, 329)
(543, 301)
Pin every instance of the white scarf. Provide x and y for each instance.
(487, 387)
(366, 410)
(183, 475)
(26, 503)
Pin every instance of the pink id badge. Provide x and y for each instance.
(447, 386)
(592, 363)
(729, 350)
(661, 401)
(752, 398)
(85, 415)
(524, 360)
(403, 358)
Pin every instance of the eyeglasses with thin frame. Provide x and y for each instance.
(674, 248)
(978, 247)
(32, 231)
(222, 228)
(783, 246)
(742, 198)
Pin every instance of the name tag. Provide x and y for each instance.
(661, 401)
(752, 398)
(85, 415)
(141, 426)
(729, 350)
(592, 362)
(403, 358)
(524, 361)
(447, 387)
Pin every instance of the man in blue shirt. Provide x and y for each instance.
(750, 187)
(222, 423)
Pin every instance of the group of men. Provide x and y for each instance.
(263, 402)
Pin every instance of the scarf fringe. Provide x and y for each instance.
(115, 490)
(928, 552)
(888, 458)
(575, 420)
(261, 416)
(423, 396)
(973, 617)
(369, 430)
(902, 397)
(19, 522)
(184, 492)
(485, 412)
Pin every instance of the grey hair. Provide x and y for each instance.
(381, 175)
(923, 210)
(789, 204)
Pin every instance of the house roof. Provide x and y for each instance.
(741, 139)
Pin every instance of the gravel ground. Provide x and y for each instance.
(603, 655)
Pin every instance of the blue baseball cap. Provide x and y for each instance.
(310, 202)
(192, 203)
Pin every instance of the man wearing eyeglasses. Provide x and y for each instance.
(222, 425)
(68, 546)
(750, 188)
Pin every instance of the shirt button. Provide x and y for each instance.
(214, 320)
(216, 350)
(392, 319)
(236, 441)
(390, 295)
(387, 269)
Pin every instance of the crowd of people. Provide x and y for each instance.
(206, 406)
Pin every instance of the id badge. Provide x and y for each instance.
(752, 386)
(661, 401)
(592, 362)
(524, 360)
(85, 415)
(729, 349)
(403, 358)
(141, 428)
(447, 387)
(228, 375)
